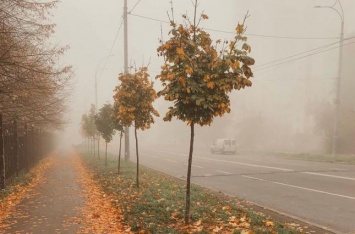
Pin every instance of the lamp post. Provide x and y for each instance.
(338, 80)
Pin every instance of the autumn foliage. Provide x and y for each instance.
(198, 75)
(197, 78)
(134, 97)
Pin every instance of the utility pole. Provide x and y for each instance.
(125, 19)
(338, 79)
(337, 95)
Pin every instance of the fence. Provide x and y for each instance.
(21, 147)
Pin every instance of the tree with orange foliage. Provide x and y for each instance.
(135, 96)
(197, 78)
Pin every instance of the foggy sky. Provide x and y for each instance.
(89, 27)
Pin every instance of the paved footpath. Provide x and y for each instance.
(53, 206)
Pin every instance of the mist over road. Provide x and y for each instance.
(315, 192)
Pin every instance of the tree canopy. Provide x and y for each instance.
(198, 75)
(104, 122)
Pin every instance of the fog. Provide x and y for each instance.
(283, 109)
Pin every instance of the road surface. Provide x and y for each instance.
(315, 192)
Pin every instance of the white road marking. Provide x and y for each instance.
(238, 163)
(224, 172)
(170, 160)
(194, 166)
(299, 187)
(246, 164)
(327, 175)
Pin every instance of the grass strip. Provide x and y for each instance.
(158, 206)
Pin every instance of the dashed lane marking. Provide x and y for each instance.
(224, 172)
(299, 187)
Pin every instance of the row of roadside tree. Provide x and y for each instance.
(196, 77)
(33, 86)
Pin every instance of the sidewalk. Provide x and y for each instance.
(64, 200)
(52, 206)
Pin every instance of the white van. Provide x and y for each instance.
(224, 146)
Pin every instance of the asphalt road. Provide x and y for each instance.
(319, 193)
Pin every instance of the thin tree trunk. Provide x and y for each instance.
(15, 148)
(119, 154)
(94, 144)
(105, 155)
(2, 156)
(137, 178)
(98, 146)
(188, 182)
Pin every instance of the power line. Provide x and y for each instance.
(279, 64)
(247, 34)
(112, 46)
(134, 7)
(149, 18)
(305, 52)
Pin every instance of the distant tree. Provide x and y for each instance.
(117, 124)
(92, 127)
(198, 78)
(135, 96)
(84, 128)
(324, 126)
(105, 125)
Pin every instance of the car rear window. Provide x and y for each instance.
(227, 142)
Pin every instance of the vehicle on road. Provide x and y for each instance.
(224, 146)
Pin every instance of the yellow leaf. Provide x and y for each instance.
(203, 16)
(189, 70)
(210, 85)
(198, 223)
(240, 29)
(235, 64)
(269, 224)
(180, 51)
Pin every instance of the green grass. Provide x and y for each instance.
(158, 206)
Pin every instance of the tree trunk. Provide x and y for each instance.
(106, 155)
(137, 178)
(188, 181)
(94, 144)
(2, 156)
(98, 146)
(119, 154)
(15, 148)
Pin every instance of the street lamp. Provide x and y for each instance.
(338, 80)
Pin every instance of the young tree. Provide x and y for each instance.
(92, 127)
(105, 125)
(198, 78)
(84, 129)
(135, 96)
(117, 124)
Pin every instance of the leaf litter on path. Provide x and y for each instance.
(8, 205)
(99, 216)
